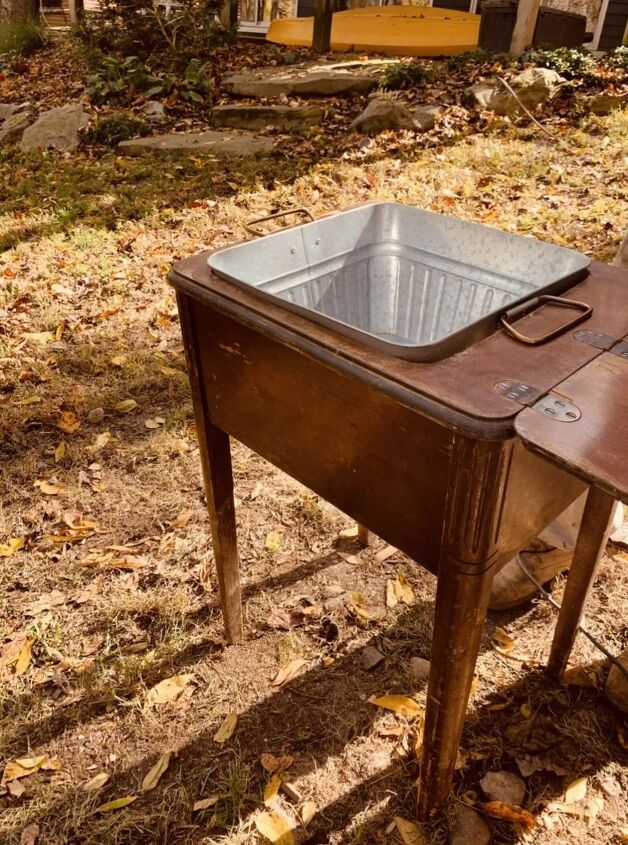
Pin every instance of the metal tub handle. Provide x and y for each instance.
(526, 307)
(256, 232)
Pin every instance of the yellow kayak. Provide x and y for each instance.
(392, 30)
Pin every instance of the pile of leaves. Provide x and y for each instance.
(119, 80)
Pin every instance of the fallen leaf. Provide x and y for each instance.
(46, 602)
(579, 676)
(14, 545)
(576, 791)
(273, 541)
(349, 533)
(391, 595)
(403, 590)
(275, 828)
(358, 606)
(153, 776)
(125, 406)
(401, 704)
(509, 813)
(151, 423)
(308, 811)
(49, 488)
(227, 728)
(25, 766)
(96, 783)
(69, 422)
(271, 790)
(623, 832)
(118, 360)
(288, 672)
(354, 560)
(116, 804)
(24, 658)
(29, 835)
(182, 520)
(60, 452)
(503, 639)
(410, 832)
(280, 619)
(101, 441)
(205, 803)
(167, 690)
(276, 764)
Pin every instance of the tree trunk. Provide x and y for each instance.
(18, 11)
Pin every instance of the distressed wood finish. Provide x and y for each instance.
(426, 456)
(591, 542)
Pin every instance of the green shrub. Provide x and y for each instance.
(20, 39)
(404, 75)
(111, 130)
(118, 80)
(471, 57)
(145, 28)
(574, 63)
(617, 58)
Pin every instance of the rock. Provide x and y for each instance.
(425, 117)
(58, 128)
(314, 82)
(257, 117)
(504, 786)
(154, 111)
(382, 114)
(13, 126)
(224, 144)
(617, 684)
(603, 103)
(533, 86)
(469, 828)
(6, 110)
(371, 658)
(96, 415)
(419, 669)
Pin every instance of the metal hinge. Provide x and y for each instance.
(550, 404)
(603, 341)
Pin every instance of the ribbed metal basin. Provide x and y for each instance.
(417, 284)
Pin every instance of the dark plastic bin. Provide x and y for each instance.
(556, 28)
(497, 24)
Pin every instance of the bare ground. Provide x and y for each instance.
(114, 522)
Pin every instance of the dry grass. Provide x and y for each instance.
(92, 275)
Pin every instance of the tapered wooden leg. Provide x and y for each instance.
(219, 493)
(218, 478)
(364, 535)
(461, 602)
(591, 541)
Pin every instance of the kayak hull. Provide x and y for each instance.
(391, 30)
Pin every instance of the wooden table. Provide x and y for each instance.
(449, 462)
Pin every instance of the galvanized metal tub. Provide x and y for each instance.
(411, 282)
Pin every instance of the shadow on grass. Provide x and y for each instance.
(322, 714)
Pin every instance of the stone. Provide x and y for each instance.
(236, 116)
(382, 114)
(617, 684)
(58, 128)
(154, 111)
(6, 110)
(13, 126)
(314, 82)
(504, 786)
(371, 658)
(419, 669)
(603, 103)
(223, 144)
(425, 117)
(469, 828)
(533, 86)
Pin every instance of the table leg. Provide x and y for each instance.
(461, 602)
(218, 479)
(364, 535)
(591, 542)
